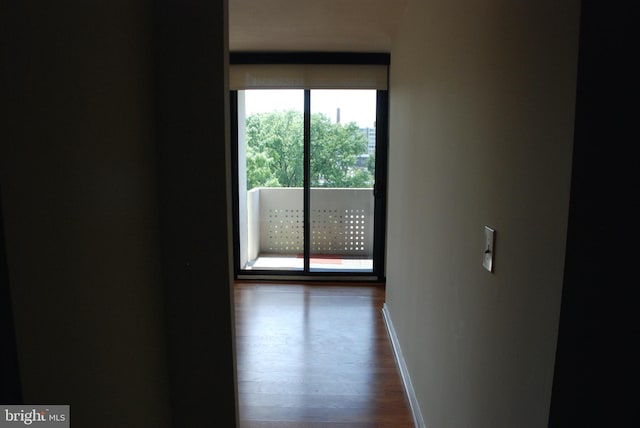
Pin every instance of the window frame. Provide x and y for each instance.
(379, 190)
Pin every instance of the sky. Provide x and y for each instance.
(355, 105)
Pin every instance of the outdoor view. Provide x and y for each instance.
(342, 171)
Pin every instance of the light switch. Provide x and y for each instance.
(488, 249)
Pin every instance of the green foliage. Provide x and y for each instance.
(274, 149)
(275, 152)
(371, 165)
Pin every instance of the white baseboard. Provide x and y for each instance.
(404, 372)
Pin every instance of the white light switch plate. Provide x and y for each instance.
(488, 249)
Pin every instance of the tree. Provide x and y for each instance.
(275, 151)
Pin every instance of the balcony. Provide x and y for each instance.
(272, 229)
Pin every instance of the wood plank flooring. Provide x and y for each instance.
(316, 356)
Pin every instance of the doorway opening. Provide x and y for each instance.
(309, 173)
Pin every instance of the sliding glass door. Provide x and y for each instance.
(271, 179)
(308, 139)
(342, 179)
(306, 174)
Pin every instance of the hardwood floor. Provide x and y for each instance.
(316, 356)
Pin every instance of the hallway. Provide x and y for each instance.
(316, 356)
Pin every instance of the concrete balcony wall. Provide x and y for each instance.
(253, 225)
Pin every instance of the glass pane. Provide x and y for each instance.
(271, 161)
(342, 179)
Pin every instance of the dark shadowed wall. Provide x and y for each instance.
(596, 371)
(114, 205)
(192, 116)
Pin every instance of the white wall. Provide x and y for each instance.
(481, 103)
(243, 224)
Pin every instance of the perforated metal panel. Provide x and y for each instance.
(338, 231)
(285, 231)
(341, 221)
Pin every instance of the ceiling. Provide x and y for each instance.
(313, 25)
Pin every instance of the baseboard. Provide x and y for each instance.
(404, 372)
